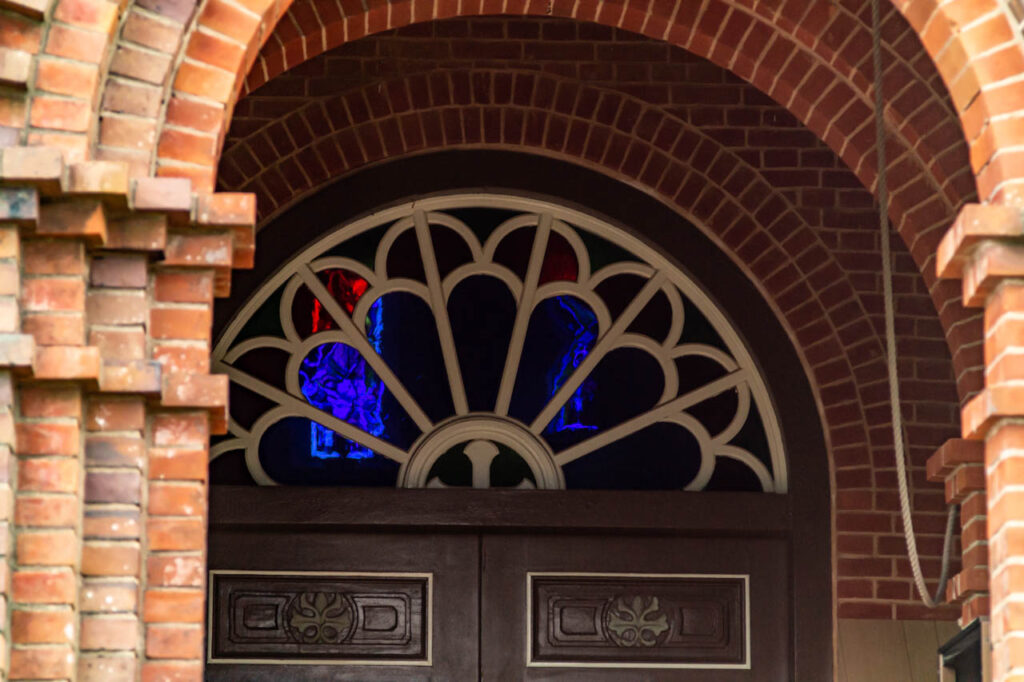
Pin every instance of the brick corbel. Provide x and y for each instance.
(960, 465)
(965, 251)
(106, 295)
(160, 225)
(985, 249)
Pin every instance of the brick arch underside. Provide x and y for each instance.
(753, 222)
(811, 57)
(814, 60)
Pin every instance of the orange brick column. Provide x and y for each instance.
(176, 532)
(112, 533)
(984, 249)
(17, 205)
(115, 465)
(106, 294)
(44, 623)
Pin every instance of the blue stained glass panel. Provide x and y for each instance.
(663, 456)
(626, 383)
(582, 325)
(285, 452)
(336, 379)
(356, 395)
(561, 332)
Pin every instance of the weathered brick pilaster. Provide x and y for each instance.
(111, 411)
(176, 531)
(16, 352)
(985, 248)
(112, 533)
(115, 467)
(45, 584)
(45, 623)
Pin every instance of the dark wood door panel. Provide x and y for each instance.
(320, 616)
(307, 606)
(591, 608)
(649, 619)
(302, 531)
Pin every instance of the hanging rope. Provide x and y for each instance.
(890, 343)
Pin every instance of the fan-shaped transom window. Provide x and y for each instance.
(493, 341)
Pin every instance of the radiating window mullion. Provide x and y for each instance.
(641, 421)
(523, 312)
(444, 326)
(623, 414)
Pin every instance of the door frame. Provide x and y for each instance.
(691, 514)
(803, 516)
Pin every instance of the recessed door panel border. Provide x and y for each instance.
(328, 610)
(644, 621)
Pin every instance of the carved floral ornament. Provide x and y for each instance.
(486, 340)
(320, 617)
(635, 621)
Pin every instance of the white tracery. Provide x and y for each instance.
(544, 220)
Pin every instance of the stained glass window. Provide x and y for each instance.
(493, 341)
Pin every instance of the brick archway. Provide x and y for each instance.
(823, 82)
(819, 48)
(975, 47)
(621, 136)
(920, 208)
(812, 59)
(154, 84)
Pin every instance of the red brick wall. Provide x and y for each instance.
(779, 200)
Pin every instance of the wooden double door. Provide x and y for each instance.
(488, 585)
